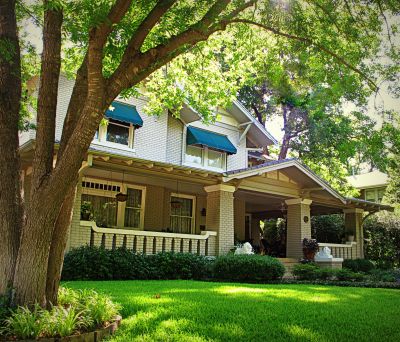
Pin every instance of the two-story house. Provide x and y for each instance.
(163, 183)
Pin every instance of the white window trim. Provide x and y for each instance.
(376, 193)
(120, 205)
(193, 217)
(102, 137)
(204, 159)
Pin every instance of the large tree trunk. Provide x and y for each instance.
(57, 249)
(10, 95)
(44, 204)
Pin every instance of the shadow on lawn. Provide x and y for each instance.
(199, 311)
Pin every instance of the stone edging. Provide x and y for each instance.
(93, 336)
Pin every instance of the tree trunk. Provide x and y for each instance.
(57, 249)
(10, 95)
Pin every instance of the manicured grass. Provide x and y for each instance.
(202, 311)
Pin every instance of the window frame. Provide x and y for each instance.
(376, 193)
(204, 159)
(102, 135)
(120, 205)
(193, 217)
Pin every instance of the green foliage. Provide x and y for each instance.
(25, 323)
(99, 308)
(274, 232)
(347, 275)
(359, 265)
(382, 232)
(77, 311)
(328, 228)
(98, 263)
(247, 268)
(305, 271)
(385, 275)
(63, 321)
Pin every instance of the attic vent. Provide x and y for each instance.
(100, 186)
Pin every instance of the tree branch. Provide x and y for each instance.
(134, 67)
(309, 41)
(47, 97)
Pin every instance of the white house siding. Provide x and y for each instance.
(174, 141)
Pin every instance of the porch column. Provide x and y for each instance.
(298, 226)
(353, 224)
(220, 215)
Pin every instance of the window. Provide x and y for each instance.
(106, 211)
(103, 209)
(182, 213)
(205, 157)
(116, 132)
(133, 208)
(374, 195)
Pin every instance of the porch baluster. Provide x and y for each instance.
(163, 245)
(154, 245)
(190, 246)
(91, 238)
(114, 241)
(134, 244)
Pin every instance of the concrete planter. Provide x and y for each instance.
(93, 336)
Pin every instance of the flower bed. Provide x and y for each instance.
(80, 316)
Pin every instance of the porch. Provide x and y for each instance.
(187, 210)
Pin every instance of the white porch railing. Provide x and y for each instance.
(150, 242)
(345, 251)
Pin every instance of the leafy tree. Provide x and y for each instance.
(111, 48)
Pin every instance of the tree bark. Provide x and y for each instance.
(10, 95)
(57, 249)
(42, 210)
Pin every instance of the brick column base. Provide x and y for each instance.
(220, 215)
(298, 226)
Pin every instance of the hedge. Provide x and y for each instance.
(96, 263)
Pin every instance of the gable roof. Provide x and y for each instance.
(293, 162)
(258, 132)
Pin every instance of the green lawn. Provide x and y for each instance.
(201, 311)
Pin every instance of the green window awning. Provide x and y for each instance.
(125, 113)
(215, 141)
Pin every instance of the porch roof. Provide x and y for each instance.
(299, 170)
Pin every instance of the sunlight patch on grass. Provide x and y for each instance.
(302, 333)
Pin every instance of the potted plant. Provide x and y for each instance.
(310, 248)
(86, 210)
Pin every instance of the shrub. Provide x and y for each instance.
(305, 271)
(382, 232)
(247, 268)
(347, 275)
(385, 275)
(178, 265)
(359, 265)
(328, 228)
(326, 273)
(83, 263)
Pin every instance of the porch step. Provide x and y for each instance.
(288, 263)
